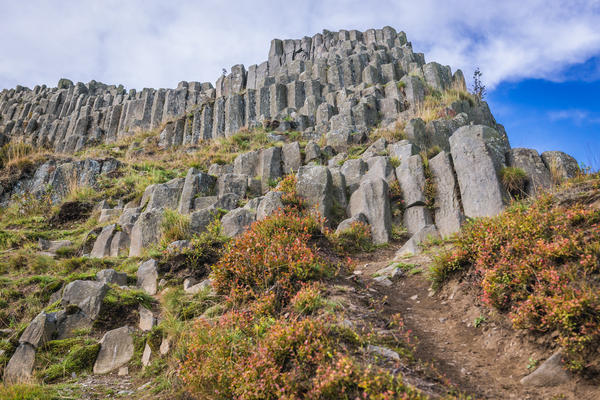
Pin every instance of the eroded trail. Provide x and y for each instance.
(477, 350)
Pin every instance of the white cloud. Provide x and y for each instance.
(576, 116)
(157, 43)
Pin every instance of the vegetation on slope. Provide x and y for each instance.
(540, 263)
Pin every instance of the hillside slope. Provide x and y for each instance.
(275, 236)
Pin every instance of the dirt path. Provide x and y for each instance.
(476, 350)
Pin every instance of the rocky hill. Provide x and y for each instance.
(146, 234)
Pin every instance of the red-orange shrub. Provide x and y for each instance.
(540, 263)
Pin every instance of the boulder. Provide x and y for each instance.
(561, 165)
(191, 287)
(340, 200)
(538, 175)
(68, 322)
(380, 167)
(204, 202)
(402, 150)
(448, 214)
(315, 185)
(147, 320)
(147, 276)
(164, 195)
(196, 183)
(237, 221)
(550, 373)
(270, 203)
(146, 231)
(111, 276)
(116, 350)
(129, 216)
(40, 330)
(292, 159)
(428, 232)
(87, 295)
(232, 183)
(477, 166)
(347, 223)
(371, 199)
(229, 201)
(270, 166)
(109, 214)
(120, 242)
(411, 177)
(415, 218)
(378, 148)
(199, 220)
(20, 367)
(50, 247)
(102, 245)
(246, 164)
(353, 171)
(312, 152)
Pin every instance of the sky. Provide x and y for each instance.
(540, 59)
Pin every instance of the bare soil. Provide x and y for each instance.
(475, 348)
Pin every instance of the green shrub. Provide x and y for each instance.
(541, 265)
(174, 226)
(353, 240)
(514, 180)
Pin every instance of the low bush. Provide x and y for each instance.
(540, 264)
(174, 226)
(515, 181)
(273, 255)
(353, 240)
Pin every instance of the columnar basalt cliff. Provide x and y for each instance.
(338, 92)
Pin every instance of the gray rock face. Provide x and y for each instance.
(270, 203)
(312, 152)
(340, 200)
(428, 232)
(147, 276)
(147, 320)
(380, 167)
(246, 164)
(20, 367)
(199, 220)
(416, 218)
(232, 183)
(292, 160)
(196, 183)
(371, 199)
(111, 276)
(550, 373)
(40, 330)
(116, 350)
(529, 161)
(102, 245)
(270, 166)
(476, 166)
(353, 171)
(347, 223)
(315, 185)
(411, 177)
(402, 150)
(448, 214)
(50, 247)
(163, 195)
(67, 323)
(146, 231)
(560, 164)
(237, 221)
(87, 295)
